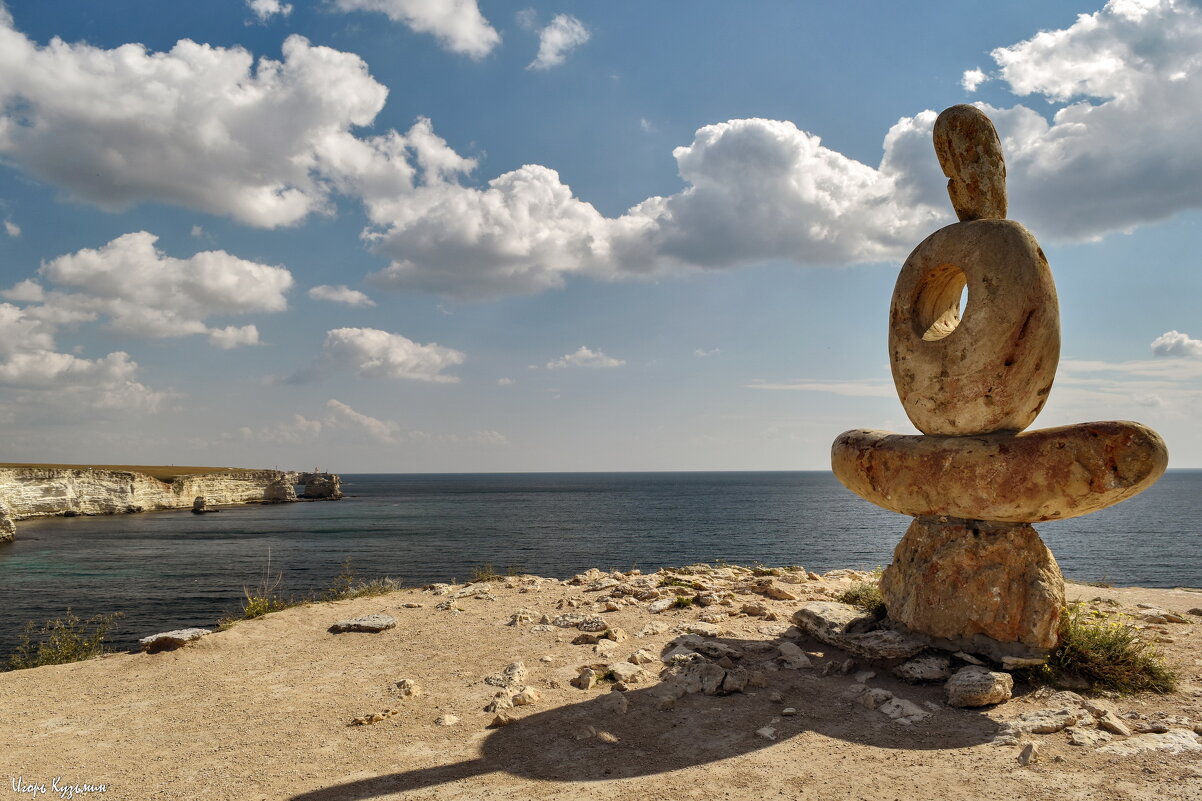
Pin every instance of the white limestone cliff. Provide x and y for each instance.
(67, 491)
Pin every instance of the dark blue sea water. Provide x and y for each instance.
(167, 570)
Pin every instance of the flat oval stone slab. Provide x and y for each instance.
(990, 370)
(1049, 474)
(369, 623)
(170, 640)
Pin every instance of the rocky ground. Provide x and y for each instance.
(601, 687)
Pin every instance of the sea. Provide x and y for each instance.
(172, 569)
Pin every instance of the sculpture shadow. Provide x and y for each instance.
(554, 745)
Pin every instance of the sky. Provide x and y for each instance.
(475, 236)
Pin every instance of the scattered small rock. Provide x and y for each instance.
(615, 703)
(788, 711)
(1080, 736)
(608, 737)
(170, 640)
(627, 672)
(586, 680)
(446, 720)
(1177, 741)
(1111, 723)
(767, 732)
(411, 605)
(502, 719)
(511, 675)
(792, 656)
(408, 688)
(974, 686)
(369, 623)
(642, 657)
(924, 668)
(523, 616)
(1029, 754)
(525, 696)
(661, 605)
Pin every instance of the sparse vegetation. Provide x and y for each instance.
(62, 640)
(676, 581)
(682, 602)
(347, 585)
(866, 595)
(487, 572)
(1106, 651)
(266, 597)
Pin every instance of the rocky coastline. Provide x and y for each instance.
(758, 684)
(68, 491)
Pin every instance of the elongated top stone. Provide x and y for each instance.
(970, 154)
(1050, 474)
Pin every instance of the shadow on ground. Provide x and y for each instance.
(697, 729)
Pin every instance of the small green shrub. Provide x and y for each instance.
(65, 639)
(1105, 651)
(347, 585)
(486, 573)
(682, 602)
(865, 595)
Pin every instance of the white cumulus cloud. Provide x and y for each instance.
(1176, 344)
(12, 229)
(139, 290)
(199, 126)
(973, 78)
(563, 34)
(373, 353)
(457, 24)
(32, 367)
(233, 336)
(341, 294)
(266, 9)
(584, 358)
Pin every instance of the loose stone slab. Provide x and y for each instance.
(1049, 474)
(170, 640)
(960, 580)
(369, 623)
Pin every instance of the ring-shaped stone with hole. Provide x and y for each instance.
(991, 369)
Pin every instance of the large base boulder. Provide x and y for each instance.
(973, 583)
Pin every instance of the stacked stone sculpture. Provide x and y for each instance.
(970, 571)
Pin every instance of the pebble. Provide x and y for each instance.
(408, 688)
(502, 720)
(608, 737)
(788, 711)
(525, 696)
(1029, 754)
(767, 732)
(446, 720)
(512, 674)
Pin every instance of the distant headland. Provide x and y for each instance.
(67, 490)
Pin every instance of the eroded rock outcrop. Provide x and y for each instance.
(36, 491)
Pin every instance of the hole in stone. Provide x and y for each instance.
(941, 294)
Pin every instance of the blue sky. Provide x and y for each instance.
(411, 235)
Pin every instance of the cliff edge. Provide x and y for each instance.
(68, 490)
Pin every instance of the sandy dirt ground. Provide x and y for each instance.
(265, 710)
